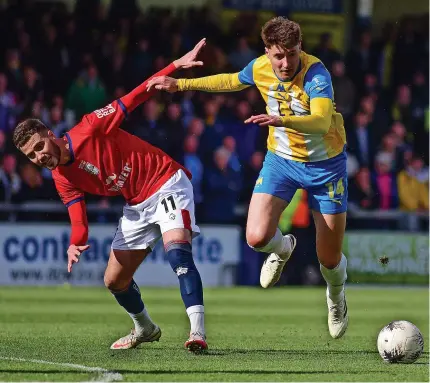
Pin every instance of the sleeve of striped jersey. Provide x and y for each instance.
(317, 82)
(246, 75)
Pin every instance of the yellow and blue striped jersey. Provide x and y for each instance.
(293, 98)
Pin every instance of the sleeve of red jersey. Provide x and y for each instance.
(74, 201)
(111, 116)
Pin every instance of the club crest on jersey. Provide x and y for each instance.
(89, 168)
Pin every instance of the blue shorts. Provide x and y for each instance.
(326, 181)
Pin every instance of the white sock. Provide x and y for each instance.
(197, 318)
(278, 244)
(142, 321)
(335, 279)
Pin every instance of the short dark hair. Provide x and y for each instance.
(281, 31)
(26, 129)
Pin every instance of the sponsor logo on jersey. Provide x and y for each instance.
(259, 181)
(118, 182)
(103, 112)
(89, 168)
(110, 179)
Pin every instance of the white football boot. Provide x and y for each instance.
(274, 264)
(337, 316)
(133, 339)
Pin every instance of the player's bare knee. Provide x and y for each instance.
(257, 238)
(114, 284)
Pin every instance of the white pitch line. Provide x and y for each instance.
(104, 375)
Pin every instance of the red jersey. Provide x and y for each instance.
(106, 160)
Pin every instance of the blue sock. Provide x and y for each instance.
(181, 260)
(130, 298)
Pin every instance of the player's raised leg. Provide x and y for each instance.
(330, 229)
(119, 280)
(177, 244)
(263, 235)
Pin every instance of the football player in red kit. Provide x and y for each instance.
(98, 157)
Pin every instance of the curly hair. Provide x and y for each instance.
(281, 31)
(26, 129)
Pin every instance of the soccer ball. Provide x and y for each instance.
(400, 342)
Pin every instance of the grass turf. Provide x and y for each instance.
(253, 334)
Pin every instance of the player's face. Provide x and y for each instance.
(284, 61)
(42, 150)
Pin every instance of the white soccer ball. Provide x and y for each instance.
(400, 342)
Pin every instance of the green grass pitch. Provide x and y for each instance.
(253, 334)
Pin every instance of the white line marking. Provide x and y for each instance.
(104, 375)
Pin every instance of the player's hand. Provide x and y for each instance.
(265, 120)
(73, 254)
(189, 59)
(166, 83)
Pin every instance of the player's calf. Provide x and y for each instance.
(181, 260)
(145, 329)
(280, 248)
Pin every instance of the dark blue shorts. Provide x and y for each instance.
(326, 181)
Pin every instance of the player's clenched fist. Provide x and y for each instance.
(73, 254)
(166, 83)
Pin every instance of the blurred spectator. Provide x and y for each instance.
(7, 105)
(2, 143)
(193, 163)
(344, 90)
(33, 186)
(214, 131)
(361, 59)
(384, 182)
(325, 50)
(141, 61)
(250, 174)
(360, 190)
(414, 187)
(87, 93)
(403, 149)
(246, 135)
(56, 122)
(389, 149)
(229, 143)
(401, 109)
(32, 88)
(10, 181)
(221, 189)
(241, 55)
(147, 127)
(196, 127)
(361, 140)
(175, 133)
(13, 70)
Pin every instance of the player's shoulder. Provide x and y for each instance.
(261, 62)
(314, 66)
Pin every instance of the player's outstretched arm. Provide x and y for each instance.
(318, 122)
(225, 82)
(140, 94)
(79, 234)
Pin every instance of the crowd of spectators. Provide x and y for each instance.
(57, 66)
